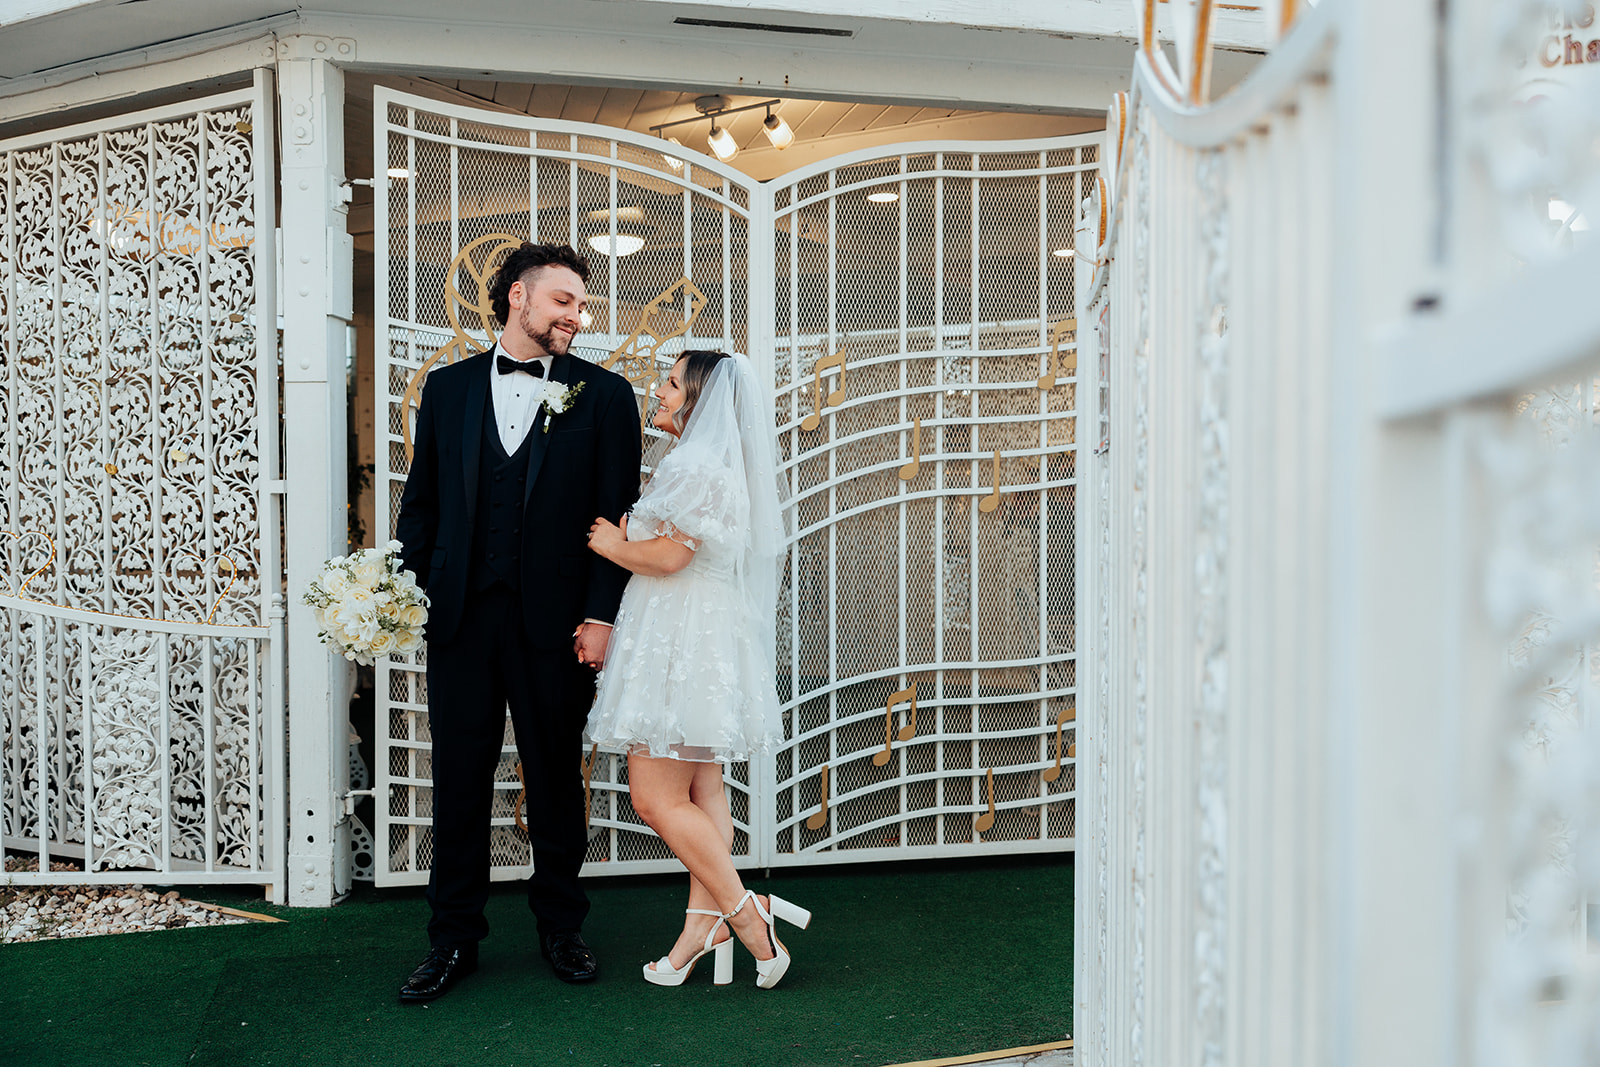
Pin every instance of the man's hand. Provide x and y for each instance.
(590, 643)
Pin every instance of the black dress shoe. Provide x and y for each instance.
(442, 968)
(570, 957)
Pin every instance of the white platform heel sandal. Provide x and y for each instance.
(769, 972)
(662, 973)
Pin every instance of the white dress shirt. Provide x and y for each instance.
(516, 402)
(515, 408)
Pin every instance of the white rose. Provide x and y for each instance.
(414, 616)
(407, 641)
(355, 600)
(335, 581)
(394, 546)
(369, 572)
(382, 643)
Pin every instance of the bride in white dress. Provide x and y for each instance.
(688, 679)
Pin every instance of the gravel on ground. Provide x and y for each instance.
(41, 913)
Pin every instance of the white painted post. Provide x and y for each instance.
(317, 264)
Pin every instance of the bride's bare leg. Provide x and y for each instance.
(708, 794)
(664, 792)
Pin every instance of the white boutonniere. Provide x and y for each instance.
(557, 398)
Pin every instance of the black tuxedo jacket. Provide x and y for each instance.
(586, 466)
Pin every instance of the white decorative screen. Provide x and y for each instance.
(138, 545)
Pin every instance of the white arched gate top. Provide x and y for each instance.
(914, 316)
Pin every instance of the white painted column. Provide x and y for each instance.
(317, 263)
(1391, 940)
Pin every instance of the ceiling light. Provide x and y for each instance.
(722, 143)
(626, 244)
(399, 172)
(883, 196)
(630, 213)
(778, 131)
(1064, 253)
(673, 161)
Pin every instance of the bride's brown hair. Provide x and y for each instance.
(698, 364)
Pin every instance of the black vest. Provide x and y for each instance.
(497, 528)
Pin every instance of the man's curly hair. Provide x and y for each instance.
(526, 260)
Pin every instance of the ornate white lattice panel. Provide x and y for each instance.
(138, 542)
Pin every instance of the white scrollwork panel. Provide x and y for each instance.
(1540, 987)
(1139, 507)
(130, 489)
(1211, 570)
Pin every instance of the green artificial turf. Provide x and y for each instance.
(902, 962)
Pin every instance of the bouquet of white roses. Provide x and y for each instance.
(366, 606)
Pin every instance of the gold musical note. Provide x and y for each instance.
(910, 469)
(1050, 774)
(835, 398)
(1055, 367)
(992, 501)
(983, 823)
(588, 773)
(907, 732)
(820, 819)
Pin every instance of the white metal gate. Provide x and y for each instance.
(922, 356)
(140, 675)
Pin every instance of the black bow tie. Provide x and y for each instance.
(506, 365)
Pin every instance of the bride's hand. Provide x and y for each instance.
(604, 537)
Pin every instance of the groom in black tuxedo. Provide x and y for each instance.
(494, 520)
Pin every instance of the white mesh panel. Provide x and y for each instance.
(898, 580)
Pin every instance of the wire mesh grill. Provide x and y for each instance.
(947, 299)
(933, 503)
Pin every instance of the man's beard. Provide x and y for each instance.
(552, 341)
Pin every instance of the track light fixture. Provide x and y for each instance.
(778, 131)
(722, 143)
(720, 140)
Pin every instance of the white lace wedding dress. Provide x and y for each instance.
(686, 674)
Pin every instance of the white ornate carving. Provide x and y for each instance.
(1211, 620)
(128, 406)
(1541, 985)
(1139, 512)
